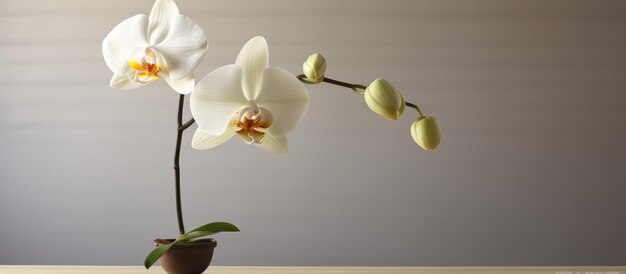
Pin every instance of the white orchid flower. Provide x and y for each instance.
(166, 44)
(261, 104)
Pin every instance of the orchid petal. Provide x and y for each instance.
(182, 86)
(204, 140)
(183, 48)
(285, 97)
(161, 16)
(127, 37)
(122, 82)
(253, 59)
(216, 99)
(274, 143)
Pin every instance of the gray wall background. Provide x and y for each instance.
(530, 96)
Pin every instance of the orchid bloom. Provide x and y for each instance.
(259, 103)
(165, 44)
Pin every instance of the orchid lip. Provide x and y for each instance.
(147, 69)
(251, 123)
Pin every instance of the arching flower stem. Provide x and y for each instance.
(358, 89)
(414, 106)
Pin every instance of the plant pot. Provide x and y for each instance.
(187, 258)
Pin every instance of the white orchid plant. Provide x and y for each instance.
(259, 103)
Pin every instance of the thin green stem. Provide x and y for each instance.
(355, 87)
(358, 89)
(411, 105)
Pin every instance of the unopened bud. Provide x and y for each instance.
(314, 67)
(384, 99)
(426, 132)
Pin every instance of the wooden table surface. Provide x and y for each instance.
(24, 269)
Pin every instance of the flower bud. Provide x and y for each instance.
(384, 99)
(314, 67)
(426, 132)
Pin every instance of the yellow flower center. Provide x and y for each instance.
(251, 123)
(147, 70)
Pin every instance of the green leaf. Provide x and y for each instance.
(217, 227)
(193, 235)
(208, 229)
(155, 254)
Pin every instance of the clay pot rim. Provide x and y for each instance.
(202, 243)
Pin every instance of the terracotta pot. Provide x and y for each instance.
(187, 258)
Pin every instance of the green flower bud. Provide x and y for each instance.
(426, 132)
(384, 99)
(314, 67)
